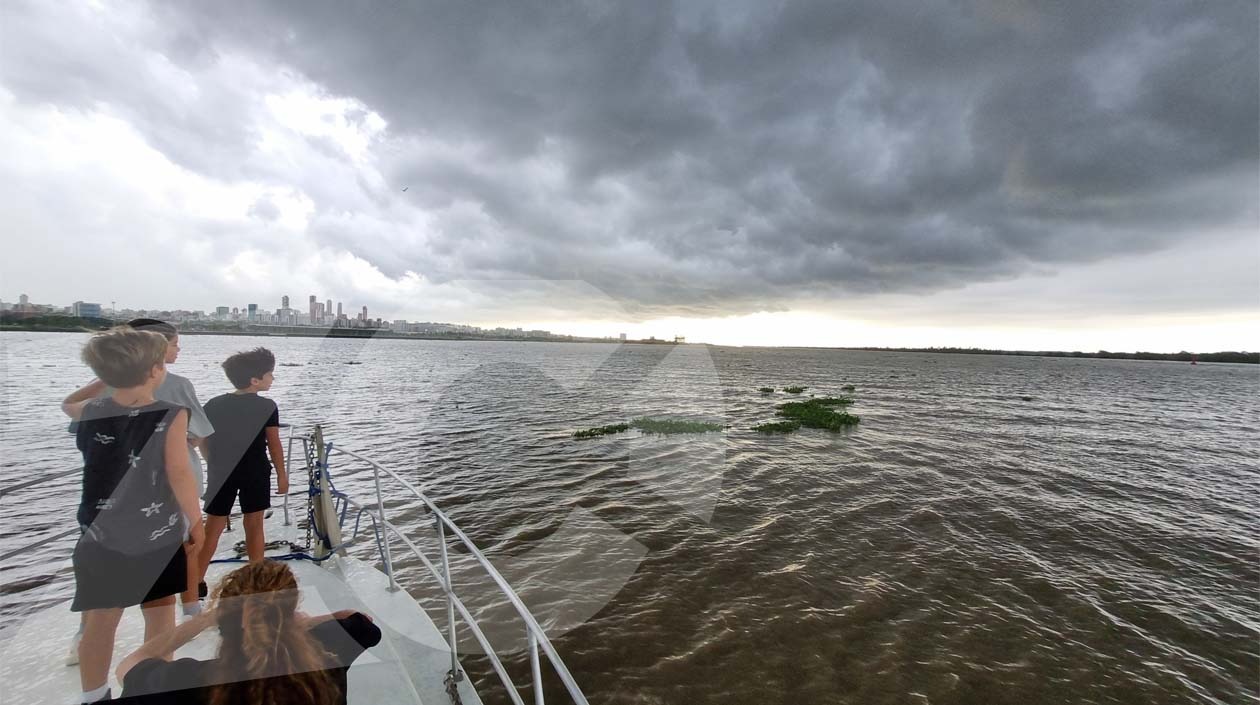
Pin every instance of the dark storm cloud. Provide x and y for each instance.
(719, 157)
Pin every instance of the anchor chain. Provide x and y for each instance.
(452, 686)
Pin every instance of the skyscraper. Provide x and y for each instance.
(338, 309)
(284, 302)
(314, 320)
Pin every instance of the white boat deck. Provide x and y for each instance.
(407, 667)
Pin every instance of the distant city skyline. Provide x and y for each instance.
(283, 317)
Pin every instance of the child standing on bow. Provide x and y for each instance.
(139, 501)
(247, 430)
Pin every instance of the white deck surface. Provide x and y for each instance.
(407, 667)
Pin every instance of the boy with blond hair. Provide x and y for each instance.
(139, 501)
(180, 392)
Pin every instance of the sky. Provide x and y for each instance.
(992, 173)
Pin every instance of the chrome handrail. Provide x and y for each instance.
(6, 491)
(536, 636)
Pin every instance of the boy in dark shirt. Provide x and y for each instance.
(246, 430)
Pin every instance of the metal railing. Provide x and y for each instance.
(536, 637)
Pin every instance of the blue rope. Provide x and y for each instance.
(297, 556)
(313, 491)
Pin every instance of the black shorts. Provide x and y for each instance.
(105, 578)
(252, 486)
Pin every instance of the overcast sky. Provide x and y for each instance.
(991, 172)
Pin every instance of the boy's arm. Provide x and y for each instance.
(72, 405)
(276, 449)
(179, 474)
(200, 444)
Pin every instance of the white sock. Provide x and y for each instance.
(192, 609)
(92, 696)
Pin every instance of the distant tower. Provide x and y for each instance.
(314, 321)
(328, 309)
(338, 309)
(365, 313)
(284, 302)
(623, 337)
(253, 311)
(24, 300)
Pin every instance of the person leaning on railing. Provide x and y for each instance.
(269, 653)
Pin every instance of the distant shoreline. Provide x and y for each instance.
(90, 325)
(1231, 357)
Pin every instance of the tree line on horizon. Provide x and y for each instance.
(1183, 356)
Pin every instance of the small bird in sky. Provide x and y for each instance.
(405, 188)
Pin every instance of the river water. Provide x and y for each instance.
(1096, 543)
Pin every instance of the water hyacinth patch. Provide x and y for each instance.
(765, 390)
(832, 401)
(848, 388)
(811, 414)
(777, 427)
(674, 426)
(794, 390)
(602, 430)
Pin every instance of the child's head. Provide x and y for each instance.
(167, 330)
(124, 357)
(251, 368)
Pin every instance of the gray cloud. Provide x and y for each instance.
(711, 158)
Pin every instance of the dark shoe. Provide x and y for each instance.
(203, 590)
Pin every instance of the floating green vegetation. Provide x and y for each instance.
(777, 427)
(674, 426)
(832, 401)
(794, 390)
(1026, 398)
(765, 390)
(848, 388)
(812, 414)
(602, 430)
(290, 364)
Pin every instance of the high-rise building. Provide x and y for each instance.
(328, 309)
(363, 316)
(221, 311)
(284, 302)
(253, 311)
(314, 318)
(338, 309)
